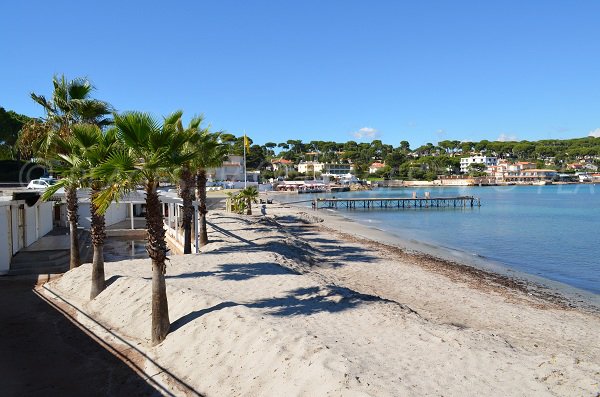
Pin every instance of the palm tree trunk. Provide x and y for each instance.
(157, 250)
(186, 184)
(98, 236)
(249, 204)
(202, 211)
(73, 217)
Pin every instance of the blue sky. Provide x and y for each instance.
(421, 71)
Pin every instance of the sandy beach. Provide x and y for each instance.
(302, 303)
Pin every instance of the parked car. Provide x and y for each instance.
(41, 183)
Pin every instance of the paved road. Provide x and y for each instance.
(44, 354)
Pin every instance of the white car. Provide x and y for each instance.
(42, 183)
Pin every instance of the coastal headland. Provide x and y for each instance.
(306, 303)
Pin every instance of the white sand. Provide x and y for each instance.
(302, 310)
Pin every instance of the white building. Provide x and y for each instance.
(282, 164)
(231, 170)
(373, 168)
(465, 162)
(337, 169)
(310, 167)
(21, 225)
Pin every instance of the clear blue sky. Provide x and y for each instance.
(421, 71)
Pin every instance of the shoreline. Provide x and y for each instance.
(461, 260)
(284, 304)
(576, 295)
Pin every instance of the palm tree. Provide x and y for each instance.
(152, 152)
(186, 178)
(67, 162)
(249, 195)
(70, 104)
(211, 153)
(87, 148)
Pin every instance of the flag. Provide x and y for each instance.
(246, 142)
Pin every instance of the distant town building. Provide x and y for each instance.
(337, 169)
(373, 168)
(533, 175)
(281, 163)
(311, 167)
(521, 165)
(465, 162)
(232, 170)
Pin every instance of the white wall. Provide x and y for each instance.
(239, 185)
(5, 249)
(116, 213)
(30, 225)
(38, 222)
(85, 216)
(46, 214)
(15, 227)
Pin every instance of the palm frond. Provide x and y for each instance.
(136, 129)
(41, 100)
(173, 118)
(79, 88)
(195, 122)
(51, 190)
(86, 135)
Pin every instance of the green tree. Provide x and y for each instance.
(87, 148)
(210, 153)
(185, 173)
(477, 169)
(255, 157)
(10, 126)
(405, 146)
(71, 103)
(152, 152)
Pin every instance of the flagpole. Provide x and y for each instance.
(245, 176)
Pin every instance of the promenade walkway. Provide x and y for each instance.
(44, 354)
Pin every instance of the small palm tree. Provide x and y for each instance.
(248, 196)
(70, 104)
(152, 152)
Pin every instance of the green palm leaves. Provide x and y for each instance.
(71, 104)
(244, 199)
(150, 152)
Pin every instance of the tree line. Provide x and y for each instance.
(402, 162)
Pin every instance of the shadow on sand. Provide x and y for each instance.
(298, 302)
(306, 246)
(239, 271)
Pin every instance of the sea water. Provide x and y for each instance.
(549, 231)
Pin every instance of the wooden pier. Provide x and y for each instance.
(397, 203)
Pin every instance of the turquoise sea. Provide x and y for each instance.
(548, 231)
